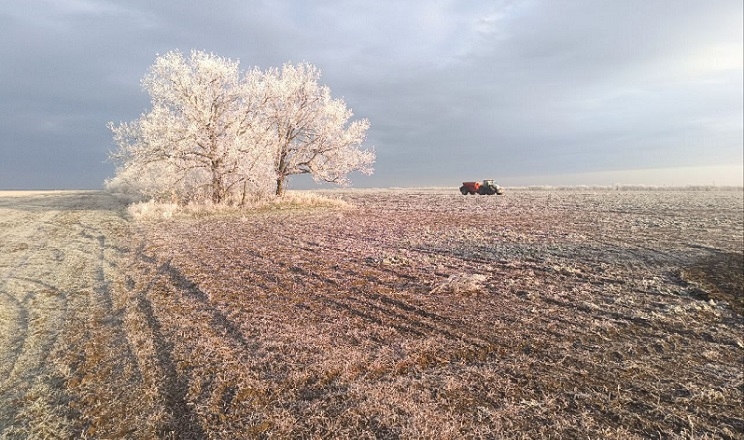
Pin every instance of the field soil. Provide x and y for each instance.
(65, 356)
(407, 314)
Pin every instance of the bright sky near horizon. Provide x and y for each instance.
(522, 91)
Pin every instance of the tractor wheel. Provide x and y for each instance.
(472, 192)
(464, 190)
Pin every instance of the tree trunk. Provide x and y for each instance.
(218, 189)
(242, 197)
(281, 172)
(216, 195)
(280, 185)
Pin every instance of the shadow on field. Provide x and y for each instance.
(175, 386)
(174, 389)
(219, 322)
(721, 276)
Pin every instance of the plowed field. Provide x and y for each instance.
(411, 314)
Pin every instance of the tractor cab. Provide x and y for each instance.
(490, 188)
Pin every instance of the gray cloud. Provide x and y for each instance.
(454, 90)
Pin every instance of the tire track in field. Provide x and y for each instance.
(349, 286)
(62, 342)
(367, 301)
(30, 311)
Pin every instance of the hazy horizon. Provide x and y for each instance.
(719, 176)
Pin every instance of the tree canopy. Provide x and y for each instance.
(312, 133)
(217, 133)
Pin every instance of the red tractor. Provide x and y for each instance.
(487, 187)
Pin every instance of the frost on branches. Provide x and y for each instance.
(217, 134)
(312, 134)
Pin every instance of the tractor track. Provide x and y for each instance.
(63, 342)
(27, 341)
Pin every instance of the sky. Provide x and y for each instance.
(548, 92)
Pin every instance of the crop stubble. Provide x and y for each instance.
(415, 314)
(353, 323)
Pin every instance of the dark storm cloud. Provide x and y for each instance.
(453, 89)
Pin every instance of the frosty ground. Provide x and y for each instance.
(406, 314)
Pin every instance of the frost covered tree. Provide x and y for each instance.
(215, 133)
(311, 132)
(201, 139)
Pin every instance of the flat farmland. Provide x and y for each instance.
(406, 314)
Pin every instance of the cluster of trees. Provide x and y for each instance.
(216, 133)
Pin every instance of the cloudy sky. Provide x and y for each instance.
(524, 91)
